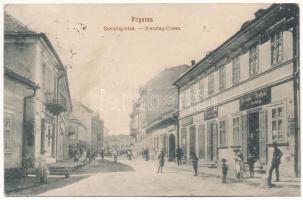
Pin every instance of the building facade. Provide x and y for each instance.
(121, 142)
(45, 113)
(244, 94)
(86, 128)
(154, 120)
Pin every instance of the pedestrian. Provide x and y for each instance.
(224, 169)
(238, 164)
(252, 157)
(179, 154)
(115, 154)
(146, 155)
(102, 154)
(195, 160)
(275, 163)
(161, 159)
(88, 155)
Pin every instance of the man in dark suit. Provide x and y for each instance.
(276, 160)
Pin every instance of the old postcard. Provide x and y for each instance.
(151, 100)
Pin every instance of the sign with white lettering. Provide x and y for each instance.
(255, 99)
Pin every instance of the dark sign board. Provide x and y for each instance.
(255, 99)
(211, 113)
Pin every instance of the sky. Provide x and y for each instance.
(106, 68)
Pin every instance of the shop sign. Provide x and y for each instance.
(255, 99)
(211, 113)
(187, 121)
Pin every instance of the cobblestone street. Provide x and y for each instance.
(144, 181)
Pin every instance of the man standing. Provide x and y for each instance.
(275, 162)
(179, 154)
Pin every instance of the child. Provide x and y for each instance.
(195, 160)
(224, 169)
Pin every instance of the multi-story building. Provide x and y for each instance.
(43, 120)
(246, 90)
(86, 128)
(153, 119)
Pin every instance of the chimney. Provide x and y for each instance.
(193, 62)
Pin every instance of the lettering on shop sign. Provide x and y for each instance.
(211, 113)
(255, 99)
(187, 121)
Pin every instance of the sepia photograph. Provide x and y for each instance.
(151, 100)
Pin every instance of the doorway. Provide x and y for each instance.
(212, 141)
(192, 139)
(172, 147)
(253, 136)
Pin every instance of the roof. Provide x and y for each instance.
(12, 25)
(12, 74)
(166, 78)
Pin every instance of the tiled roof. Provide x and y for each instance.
(12, 25)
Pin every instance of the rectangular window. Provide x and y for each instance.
(183, 100)
(236, 131)
(253, 60)
(276, 48)
(222, 77)
(223, 133)
(211, 83)
(236, 70)
(192, 95)
(277, 124)
(8, 132)
(201, 90)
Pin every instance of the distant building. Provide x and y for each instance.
(37, 123)
(122, 142)
(86, 128)
(154, 116)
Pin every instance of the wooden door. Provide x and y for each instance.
(263, 136)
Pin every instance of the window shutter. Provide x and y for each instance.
(215, 140)
(263, 136)
(244, 136)
(209, 140)
(201, 144)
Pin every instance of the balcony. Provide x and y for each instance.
(54, 104)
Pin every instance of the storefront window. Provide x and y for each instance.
(277, 124)
(223, 133)
(236, 131)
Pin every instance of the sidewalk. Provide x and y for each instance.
(259, 180)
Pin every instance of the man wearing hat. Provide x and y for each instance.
(276, 160)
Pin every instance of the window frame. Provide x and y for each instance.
(253, 58)
(236, 68)
(10, 148)
(236, 143)
(211, 83)
(222, 77)
(223, 142)
(284, 122)
(275, 44)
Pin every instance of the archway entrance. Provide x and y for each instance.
(172, 146)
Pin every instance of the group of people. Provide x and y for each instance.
(252, 158)
(239, 165)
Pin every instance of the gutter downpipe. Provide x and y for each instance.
(24, 128)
